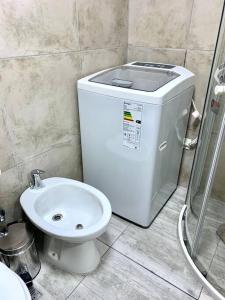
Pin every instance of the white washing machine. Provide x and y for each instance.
(133, 121)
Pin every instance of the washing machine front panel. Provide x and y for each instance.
(113, 164)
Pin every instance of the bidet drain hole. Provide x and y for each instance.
(57, 217)
(79, 226)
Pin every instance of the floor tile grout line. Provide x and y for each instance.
(105, 254)
(76, 286)
(90, 289)
(121, 232)
(120, 235)
(153, 273)
(210, 266)
(200, 292)
(111, 248)
(104, 244)
(84, 276)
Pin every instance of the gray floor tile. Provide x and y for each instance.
(115, 228)
(120, 278)
(205, 296)
(55, 282)
(166, 222)
(84, 293)
(44, 293)
(59, 284)
(216, 275)
(209, 239)
(102, 248)
(207, 244)
(216, 210)
(180, 194)
(159, 251)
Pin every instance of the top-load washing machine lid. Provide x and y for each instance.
(148, 82)
(142, 79)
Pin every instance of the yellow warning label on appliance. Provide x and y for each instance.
(132, 118)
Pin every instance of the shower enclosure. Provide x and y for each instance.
(203, 217)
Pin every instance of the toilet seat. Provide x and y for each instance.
(12, 286)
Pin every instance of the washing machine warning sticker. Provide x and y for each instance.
(132, 117)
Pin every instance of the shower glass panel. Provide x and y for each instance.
(205, 214)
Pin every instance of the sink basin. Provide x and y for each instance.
(67, 209)
(11, 285)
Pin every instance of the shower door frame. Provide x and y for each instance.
(218, 56)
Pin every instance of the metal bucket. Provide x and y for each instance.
(18, 251)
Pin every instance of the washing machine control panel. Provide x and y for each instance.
(153, 65)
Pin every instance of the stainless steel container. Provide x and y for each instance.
(18, 250)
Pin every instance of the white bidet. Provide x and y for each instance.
(72, 214)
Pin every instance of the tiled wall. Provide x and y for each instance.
(45, 46)
(180, 32)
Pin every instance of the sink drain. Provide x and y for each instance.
(79, 226)
(57, 217)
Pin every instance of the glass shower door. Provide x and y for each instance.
(205, 214)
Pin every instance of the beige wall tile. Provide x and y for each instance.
(38, 94)
(10, 190)
(169, 56)
(205, 22)
(6, 148)
(40, 100)
(200, 62)
(97, 60)
(159, 24)
(102, 23)
(62, 160)
(40, 128)
(32, 27)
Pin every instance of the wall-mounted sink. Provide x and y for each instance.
(11, 285)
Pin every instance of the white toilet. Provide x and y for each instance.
(72, 214)
(12, 286)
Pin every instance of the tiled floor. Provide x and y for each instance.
(211, 253)
(136, 264)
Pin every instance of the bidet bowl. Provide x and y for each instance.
(67, 209)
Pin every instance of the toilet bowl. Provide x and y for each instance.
(72, 214)
(12, 286)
